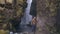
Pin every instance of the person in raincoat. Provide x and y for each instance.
(34, 23)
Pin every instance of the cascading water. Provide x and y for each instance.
(27, 17)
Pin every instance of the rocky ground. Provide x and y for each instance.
(26, 30)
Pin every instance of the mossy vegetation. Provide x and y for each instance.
(4, 31)
(8, 11)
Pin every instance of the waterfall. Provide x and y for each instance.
(27, 17)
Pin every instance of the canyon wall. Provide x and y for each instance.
(46, 16)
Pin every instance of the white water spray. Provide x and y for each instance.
(27, 17)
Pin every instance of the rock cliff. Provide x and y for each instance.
(46, 15)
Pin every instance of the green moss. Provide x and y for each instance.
(4, 32)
